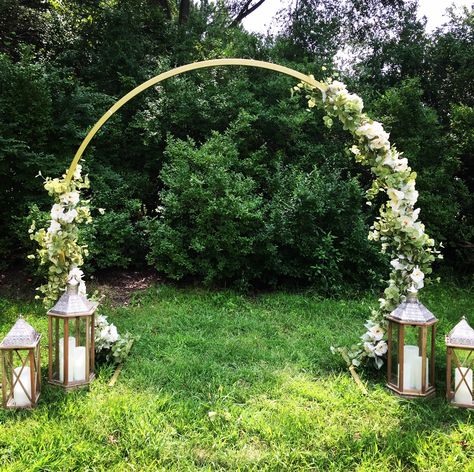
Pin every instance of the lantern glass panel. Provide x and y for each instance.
(429, 356)
(462, 375)
(412, 362)
(20, 368)
(394, 354)
(77, 332)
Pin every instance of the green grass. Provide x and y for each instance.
(219, 381)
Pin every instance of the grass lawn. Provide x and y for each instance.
(220, 381)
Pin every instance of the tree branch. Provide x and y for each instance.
(245, 11)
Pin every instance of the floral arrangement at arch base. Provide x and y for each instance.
(397, 227)
(60, 250)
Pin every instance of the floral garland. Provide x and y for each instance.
(61, 251)
(397, 227)
(59, 248)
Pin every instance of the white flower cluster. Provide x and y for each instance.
(106, 334)
(374, 344)
(109, 342)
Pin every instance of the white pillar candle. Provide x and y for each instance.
(79, 363)
(462, 395)
(410, 366)
(20, 397)
(71, 348)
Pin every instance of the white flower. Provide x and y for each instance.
(69, 216)
(70, 198)
(406, 221)
(417, 276)
(101, 319)
(410, 193)
(396, 197)
(376, 332)
(76, 274)
(78, 171)
(396, 264)
(82, 288)
(416, 213)
(374, 131)
(401, 165)
(355, 102)
(369, 347)
(113, 333)
(336, 87)
(57, 212)
(381, 348)
(54, 227)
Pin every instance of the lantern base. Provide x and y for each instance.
(72, 385)
(461, 405)
(430, 392)
(12, 406)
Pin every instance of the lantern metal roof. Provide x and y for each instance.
(21, 336)
(72, 303)
(462, 335)
(412, 311)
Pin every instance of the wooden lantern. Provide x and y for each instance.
(411, 349)
(21, 374)
(71, 339)
(460, 360)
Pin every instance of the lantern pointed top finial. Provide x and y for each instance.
(461, 335)
(71, 302)
(22, 335)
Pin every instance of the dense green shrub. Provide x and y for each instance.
(223, 220)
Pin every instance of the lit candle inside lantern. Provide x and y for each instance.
(79, 363)
(19, 395)
(462, 394)
(71, 348)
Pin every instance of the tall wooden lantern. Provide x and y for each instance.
(411, 349)
(21, 374)
(71, 339)
(460, 361)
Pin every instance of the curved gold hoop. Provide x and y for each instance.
(177, 71)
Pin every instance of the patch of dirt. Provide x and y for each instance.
(118, 287)
(115, 287)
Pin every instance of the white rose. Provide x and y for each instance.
(113, 333)
(75, 275)
(406, 221)
(69, 216)
(369, 347)
(54, 227)
(417, 276)
(377, 332)
(401, 165)
(70, 198)
(381, 348)
(57, 211)
(396, 264)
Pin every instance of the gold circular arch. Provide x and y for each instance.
(181, 70)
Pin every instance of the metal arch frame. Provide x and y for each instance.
(181, 70)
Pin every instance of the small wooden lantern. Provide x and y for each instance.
(71, 339)
(411, 349)
(21, 372)
(460, 359)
